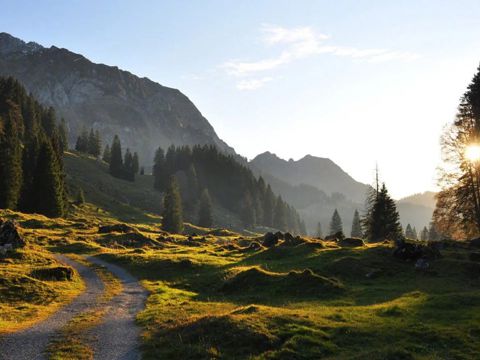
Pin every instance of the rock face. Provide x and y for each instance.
(143, 113)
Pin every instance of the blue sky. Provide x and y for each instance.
(356, 81)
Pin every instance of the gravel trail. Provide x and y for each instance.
(118, 336)
(30, 344)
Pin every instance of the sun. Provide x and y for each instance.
(472, 153)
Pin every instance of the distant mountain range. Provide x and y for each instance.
(143, 113)
(146, 115)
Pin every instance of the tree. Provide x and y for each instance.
(356, 226)
(381, 221)
(457, 212)
(248, 210)
(205, 213)
(336, 224)
(424, 234)
(116, 159)
(107, 154)
(10, 161)
(82, 142)
(268, 206)
(414, 234)
(136, 163)
(160, 175)
(172, 208)
(63, 134)
(48, 183)
(128, 166)
(433, 234)
(319, 232)
(409, 232)
(279, 215)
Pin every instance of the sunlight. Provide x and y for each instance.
(472, 153)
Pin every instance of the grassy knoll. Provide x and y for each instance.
(215, 297)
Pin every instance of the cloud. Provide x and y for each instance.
(300, 43)
(252, 84)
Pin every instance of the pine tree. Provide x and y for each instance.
(172, 205)
(279, 215)
(336, 224)
(128, 166)
(205, 213)
(10, 162)
(414, 234)
(136, 163)
(116, 159)
(409, 232)
(382, 220)
(107, 154)
(433, 234)
(424, 234)
(48, 183)
(63, 134)
(356, 226)
(248, 210)
(142, 171)
(268, 207)
(159, 171)
(82, 142)
(319, 232)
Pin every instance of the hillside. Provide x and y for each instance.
(143, 113)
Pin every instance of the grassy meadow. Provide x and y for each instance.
(215, 295)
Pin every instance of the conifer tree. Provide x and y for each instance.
(433, 234)
(319, 232)
(159, 171)
(116, 159)
(136, 163)
(414, 233)
(48, 183)
(424, 234)
(107, 154)
(279, 215)
(172, 208)
(63, 134)
(409, 232)
(356, 226)
(80, 199)
(142, 171)
(248, 210)
(336, 224)
(10, 162)
(128, 166)
(382, 220)
(205, 213)
(269, 203)
(82, 142)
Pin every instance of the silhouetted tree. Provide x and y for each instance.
(172, 205)
(248, 210)
(80, 199)
(160, 173)
(356, 226)
(205, 212)
(136, 164)
(336, 224)
(107, 154)
(424, 234)
(116, 159)
(319, 232)
(409, 232)
(128, 167)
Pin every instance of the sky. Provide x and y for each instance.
(359, 82)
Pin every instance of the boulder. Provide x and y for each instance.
(270, 239)
(58, 273)
(293, 241)
(9, 236)
(351, 242)
(121, 228)
(335, 237)
(410, 251)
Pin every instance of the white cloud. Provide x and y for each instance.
(303, 42)
(252, 84)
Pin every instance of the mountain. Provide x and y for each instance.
(143, 113)
(321, 173)
(417, 209)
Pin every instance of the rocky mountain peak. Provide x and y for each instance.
(10, 45)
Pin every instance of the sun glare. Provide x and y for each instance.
(472, 153)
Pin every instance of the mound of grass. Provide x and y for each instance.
(293, 283)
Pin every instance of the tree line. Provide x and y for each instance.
(203, 171)
(32, 143)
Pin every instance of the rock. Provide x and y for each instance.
(270, 239)
(121, 228)
(288, 237)
(293, 241)
(254, 246)
(59, 273)
(410, 251)
(474, 256)
(279, 235)
(422, 264)
(373, 274)
(9, 236)
(351, 242)
(335, 237)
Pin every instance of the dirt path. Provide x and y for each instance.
(118, 336)
(30, 344)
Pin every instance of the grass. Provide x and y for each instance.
(215, 298)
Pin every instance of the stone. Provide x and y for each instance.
(335, 237)
(351, 242)
(9, 236)
(121, 228)
(270, 239)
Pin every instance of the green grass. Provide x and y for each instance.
(212, 298)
